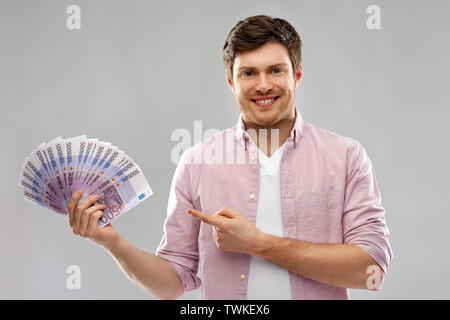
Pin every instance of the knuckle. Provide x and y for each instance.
(225, 227)
(98, 214)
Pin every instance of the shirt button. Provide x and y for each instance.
(253, 157)
(242, 277)
(251, 196)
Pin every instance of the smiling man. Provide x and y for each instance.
(263, 82)
(303, 222)
(300, 218)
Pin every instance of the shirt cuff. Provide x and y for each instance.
(379, 253)
(189, 280)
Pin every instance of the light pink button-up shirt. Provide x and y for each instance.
(328, 194)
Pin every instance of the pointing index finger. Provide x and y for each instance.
(209, 219)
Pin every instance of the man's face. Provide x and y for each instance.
(264, 84)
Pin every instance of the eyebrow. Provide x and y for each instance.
(281, 64)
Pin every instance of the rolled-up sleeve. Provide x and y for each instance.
(179, 245)
(363, 218)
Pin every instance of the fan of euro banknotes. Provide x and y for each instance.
(59, 168)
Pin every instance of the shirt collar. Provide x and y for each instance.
(295, 136)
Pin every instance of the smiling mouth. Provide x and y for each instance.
(265, 102)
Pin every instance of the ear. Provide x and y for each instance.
(229, 81)
(298, 75)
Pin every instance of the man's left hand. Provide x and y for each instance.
(232, 231)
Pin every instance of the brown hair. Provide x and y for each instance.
(253, 32)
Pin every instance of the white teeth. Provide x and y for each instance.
(267, 101)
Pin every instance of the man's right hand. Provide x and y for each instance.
(83, 219)
(152, 272)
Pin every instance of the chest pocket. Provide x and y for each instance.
(319, 216)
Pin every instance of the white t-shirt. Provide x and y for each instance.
(266, 280)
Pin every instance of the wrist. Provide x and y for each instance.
(115, 245)
(262, 244)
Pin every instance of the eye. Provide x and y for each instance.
(277, 70)
(247, 73)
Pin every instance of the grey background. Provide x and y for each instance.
(138, 70)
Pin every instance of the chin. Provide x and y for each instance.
(266, 120)
(262, 117)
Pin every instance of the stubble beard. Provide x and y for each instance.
(267, 119)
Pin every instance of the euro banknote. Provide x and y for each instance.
(55, 170)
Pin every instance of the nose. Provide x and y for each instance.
(263, 86)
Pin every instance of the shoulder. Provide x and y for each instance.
(328, 139)
(215, 143)
(337, 148)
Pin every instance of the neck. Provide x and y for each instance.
(269, 138)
